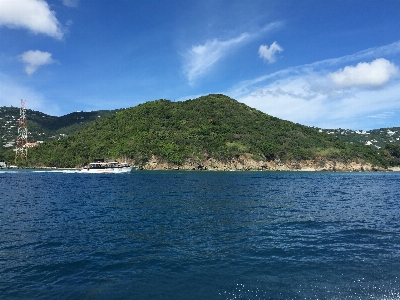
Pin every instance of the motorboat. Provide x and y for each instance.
(99, 166)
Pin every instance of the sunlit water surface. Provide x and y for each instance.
(199, 235)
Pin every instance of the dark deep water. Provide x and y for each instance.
(199, 235)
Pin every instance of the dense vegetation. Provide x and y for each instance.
(65, 124)
(391, 153)
(210, 126)
(45, 127)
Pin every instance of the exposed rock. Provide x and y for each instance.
(248, 163)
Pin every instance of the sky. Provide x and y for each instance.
(329, 64)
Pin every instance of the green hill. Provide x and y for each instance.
(213, 126)
(43, 127)
(376, 138)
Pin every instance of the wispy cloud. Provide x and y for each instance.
(201, 58)
(268, 53)
(34, 59)
(71, 3)
(294, 100)
(383, 115)
(247, 86)
(369, 53)
(325, 94)
(34, 15)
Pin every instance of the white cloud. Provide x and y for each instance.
(71, 3)
(35, 59)
(247, 86)
(202, 57)
(290, 99)
(308, 94)
(34, 15)
(268, 53)
(374, 74)
(294, 99)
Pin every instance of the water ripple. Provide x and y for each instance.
(199, 235)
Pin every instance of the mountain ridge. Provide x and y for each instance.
(210, 132)
(188, 134)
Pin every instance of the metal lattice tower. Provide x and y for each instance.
(21, 150)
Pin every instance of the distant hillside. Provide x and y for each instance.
(43, 127)
(377, 138)
(213, 127)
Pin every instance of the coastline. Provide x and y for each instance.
(181, 168)
(247, 163)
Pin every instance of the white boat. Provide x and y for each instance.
(98, 167)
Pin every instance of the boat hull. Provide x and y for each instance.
(107, 170)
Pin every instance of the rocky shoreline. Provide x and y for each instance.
(247, 163)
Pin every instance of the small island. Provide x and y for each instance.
(213, 132)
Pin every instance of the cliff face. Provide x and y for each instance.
(247, 163)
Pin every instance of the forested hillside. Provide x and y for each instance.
(376, 138)
(211, 126)
(43, 127)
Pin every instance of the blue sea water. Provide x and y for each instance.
(199, 235)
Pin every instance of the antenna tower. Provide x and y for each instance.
(21, 150)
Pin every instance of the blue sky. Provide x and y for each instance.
(330, 64)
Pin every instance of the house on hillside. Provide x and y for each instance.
(31, 145)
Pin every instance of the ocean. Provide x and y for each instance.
(199, 235)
